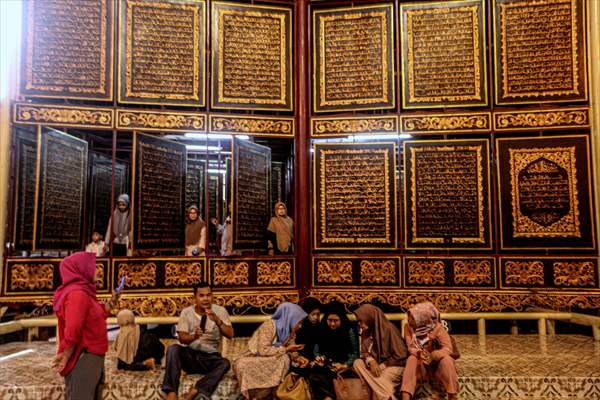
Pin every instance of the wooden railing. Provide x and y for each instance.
(546, 321)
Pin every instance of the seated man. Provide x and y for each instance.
(199, 329)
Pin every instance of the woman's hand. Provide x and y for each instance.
(426, 357)
(291, 348)
(59, 363)
(337, 366)
(302, 362)
(374, 367)
(113, 301)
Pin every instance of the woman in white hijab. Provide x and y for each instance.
(136, 350)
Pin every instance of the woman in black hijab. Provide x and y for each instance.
(309, 331)
(335, 351)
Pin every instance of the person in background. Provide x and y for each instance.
(119, 228)
(200, 330)
(308, 334)
(262, 367)
(97, 245)
(195, 233)
(136, 350)
(280, 232)
(335, 351)
(82, 331)
(382, 352)
(430, 349)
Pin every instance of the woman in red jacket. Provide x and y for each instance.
(81, 328)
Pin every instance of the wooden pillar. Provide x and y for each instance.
(542, 326)
(594, 74)
(302, 153)
(481, 327)
(8, 93)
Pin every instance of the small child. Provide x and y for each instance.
(97, 245)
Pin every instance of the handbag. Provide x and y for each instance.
(351, 388)
(293, 387)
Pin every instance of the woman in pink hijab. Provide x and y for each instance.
(81, 328)
(430, 349)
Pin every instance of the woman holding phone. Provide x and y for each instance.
(83, 340)
(261, 368)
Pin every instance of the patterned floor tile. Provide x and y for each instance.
(524, 367)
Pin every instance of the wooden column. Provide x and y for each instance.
(301, 141)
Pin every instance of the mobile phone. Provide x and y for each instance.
(121, 284)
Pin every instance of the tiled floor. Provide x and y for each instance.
(499, 367)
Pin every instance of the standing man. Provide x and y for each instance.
(199, 329)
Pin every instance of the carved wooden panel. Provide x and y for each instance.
(251, 57)
(159, 193)
(251, 182)
(545, 192)
(359, 271)
(100, 210)
(252, 125)
(161, 121)
(194, 184)
(449, 272)
(161, 52)
(39, 277)
(353, 58)
(363, 125)
(355, 195)
(63, 116)
(465, 300)
(551, 272)
(248, 273)
(447, 194)
(444, 54)
(25, 181)
(534, 120)
(67, 49)
(159, 274)
(473, 122)
(540, 48)
(62, 191)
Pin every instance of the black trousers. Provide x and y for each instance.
(211, 365)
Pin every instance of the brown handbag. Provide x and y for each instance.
(293, 387)
(351, 388)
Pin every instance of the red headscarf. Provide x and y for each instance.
(77, 273)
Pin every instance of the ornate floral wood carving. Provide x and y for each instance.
(574, 273)
(231, 273)
(85, 117)
(182, 273)
(377, 271)
(139, 275)
(426, 272)
(470, 272)
(334, 271)
(274, 273)
(524, 273)
(32, 277)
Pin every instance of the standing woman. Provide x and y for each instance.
(262, 367)
(430, 349)
(195, 233)
(119, 228)
(382, 352)
(83, 341)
